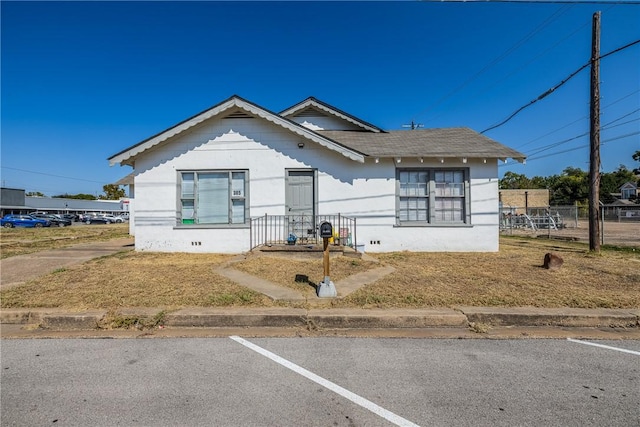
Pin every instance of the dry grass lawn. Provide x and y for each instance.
(21, 241)
(135, 279)
(512, 277)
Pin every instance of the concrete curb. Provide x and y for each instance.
(218, 318)
(53, 318)
(56, 319)
(393, 318)
(570, 317)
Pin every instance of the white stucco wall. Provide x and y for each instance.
(364, 191)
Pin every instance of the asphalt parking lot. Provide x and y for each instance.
(236, 381)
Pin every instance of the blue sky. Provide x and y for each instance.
(82, 81)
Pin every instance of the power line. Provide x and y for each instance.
(557, 144)
(607, 126)
(572, 149)
(553, 89)
(48, 174)
(506, 53)
(514, 72)
(580, 119)
(542, 96)
(632, 2)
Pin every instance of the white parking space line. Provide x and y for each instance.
(608, 347)
(387, 415)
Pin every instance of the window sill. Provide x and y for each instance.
(436, 225)
(210, 226)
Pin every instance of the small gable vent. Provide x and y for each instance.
(310, 112)
(239, 114)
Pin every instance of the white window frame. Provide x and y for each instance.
(190, 209)
(446, 192)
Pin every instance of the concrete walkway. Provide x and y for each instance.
(22, 268)
(280, 293)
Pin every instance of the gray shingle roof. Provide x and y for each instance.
(444, 143)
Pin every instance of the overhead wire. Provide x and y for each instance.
(577, 120)
(48, 189)
(521, 67)
(49, 174)
(557, 86)
(579, 147)
(495, 61)
(614, 2)
(607, 126)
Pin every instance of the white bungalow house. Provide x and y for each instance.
(629, 190)
(238, 175)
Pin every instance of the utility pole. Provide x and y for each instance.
(594, 163)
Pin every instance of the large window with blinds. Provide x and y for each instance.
(433, 196)
(213, 197)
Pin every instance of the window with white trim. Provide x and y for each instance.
(213, 197)
(433, 196)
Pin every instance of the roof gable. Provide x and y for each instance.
(353, 144)
(312, 106)
(236, 107)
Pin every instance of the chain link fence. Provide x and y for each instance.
(619, 225)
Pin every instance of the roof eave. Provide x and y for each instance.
(127, 156)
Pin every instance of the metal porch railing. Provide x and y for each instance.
(301, 230)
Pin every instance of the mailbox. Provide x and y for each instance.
(326, 230)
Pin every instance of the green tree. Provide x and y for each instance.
(513, 181)
(636, 156)
(34, 194)
(539, 182)
(569, 187)
(112, 192)
(79, 196)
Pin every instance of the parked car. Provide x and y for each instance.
(55, 220)
(11, 221)
(99, 219)
(114, 219)
(70, 217)
(62, 221)
(85, 217)
(123, 218)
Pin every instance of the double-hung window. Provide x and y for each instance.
(433, 196)
(449, 198)
(414, 196)
(213, 197)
